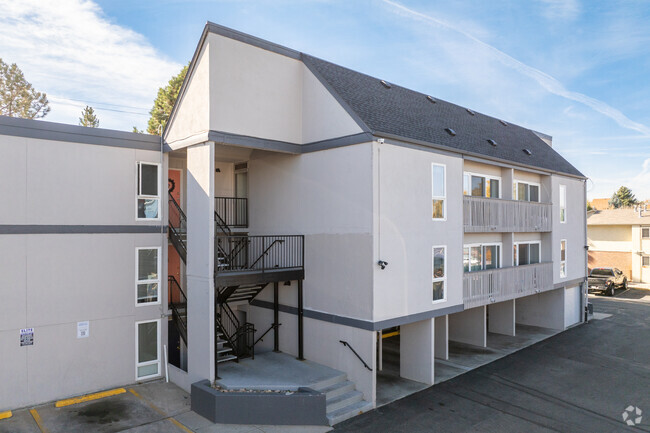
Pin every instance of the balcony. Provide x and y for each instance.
(497, 285)
(484, 215)
(233, 211)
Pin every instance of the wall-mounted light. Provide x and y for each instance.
(382, 264)
(217, 170)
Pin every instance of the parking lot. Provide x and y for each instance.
(581, 380)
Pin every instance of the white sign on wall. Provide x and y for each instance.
(27, 337)
(83, 329)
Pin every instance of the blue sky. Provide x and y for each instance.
(575, 69)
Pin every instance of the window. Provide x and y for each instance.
(148, 191)
(478, 185)
(480, 257)
(438, 192)
(645, 232)
(646, 261)
(563, 258)
(439, 272)
(147, 349)
(526, 191)
(526, 253)
(562, 203)
(147, 275)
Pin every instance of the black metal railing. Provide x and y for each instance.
(233, 211)
(177, 227)
(345, 343)
(259, 253)
(240, 336)
(178, 304)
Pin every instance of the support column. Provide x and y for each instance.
(416, 351)
(502, 318)
(469, 327)
(201, 333)
(442, 337)
(276, 314)
(300, 323)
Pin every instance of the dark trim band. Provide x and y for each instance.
(29, 229)
(360, 323)
(77, 134)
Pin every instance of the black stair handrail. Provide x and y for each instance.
(266, 251)
(273, 326)
(175, 231)
(181, 324)
(221, 224)
(258, 253)
(345, 343)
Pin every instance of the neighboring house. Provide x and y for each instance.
(600, 204)
(620, 238)
(301, 193)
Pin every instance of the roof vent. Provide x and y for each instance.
(503, 122)
(527, 152)
(492, 142)
(430, 98)
(450, 132)
(385, 84)
(470, 111)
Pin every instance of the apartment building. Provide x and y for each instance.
(310, 210)
(620, 238)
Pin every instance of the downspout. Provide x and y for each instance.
(585, 284)
(163, 253)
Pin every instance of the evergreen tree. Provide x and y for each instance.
(88, 118)
(164, 103)
(17, 96)
(623, 198)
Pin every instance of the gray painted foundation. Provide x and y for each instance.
(302, 407)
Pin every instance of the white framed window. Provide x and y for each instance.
(439, 191)
(645, 232)
(147, 349)
(526, 253)
(477, 257)
(563, 258)
(439, 273)
(147, 203)
(480, 185)
(645, 261)
(563, 203)
(526, 191)
(147, 275)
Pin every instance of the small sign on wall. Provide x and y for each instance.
(27, 337)
(83, 329)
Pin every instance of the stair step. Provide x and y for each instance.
(344, 400)
(224, 350)
(337, 389)
(348, 412)
(221, 359)
(329, 382)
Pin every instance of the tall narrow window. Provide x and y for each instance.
(148, 191)
(439, 272)
(645, 261)
(562, 203)
(147, 275)
(563, 258)
(645, 232)
(438, 192)
(147, 338)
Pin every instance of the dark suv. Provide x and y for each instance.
(606, 280)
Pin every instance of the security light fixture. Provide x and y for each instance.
(450, 132)
(217, 170)
(382, 264)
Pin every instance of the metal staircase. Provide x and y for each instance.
(177, 232)
(178, 305)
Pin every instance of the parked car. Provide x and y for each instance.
(607, 280)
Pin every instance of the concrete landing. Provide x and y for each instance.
(276, 371)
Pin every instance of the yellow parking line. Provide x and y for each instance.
(89, 397)
(390, 334)
(160, 411)
(5, 415)
(39, 421)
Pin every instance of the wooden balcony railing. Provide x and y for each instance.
(498, 215)
(497, 285)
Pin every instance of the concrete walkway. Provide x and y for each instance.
(155, 407)
(581, 380)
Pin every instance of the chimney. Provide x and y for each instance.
(544, 137)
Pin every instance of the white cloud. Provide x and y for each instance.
(544, 80)
(73, 52)
(560, 9)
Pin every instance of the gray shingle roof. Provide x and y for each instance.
(405, 113)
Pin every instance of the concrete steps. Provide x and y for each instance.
(342, 399)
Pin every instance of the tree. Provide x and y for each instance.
(137, 131)
(164, 103)
(17, 96)
(88, 118)
(623, 198)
